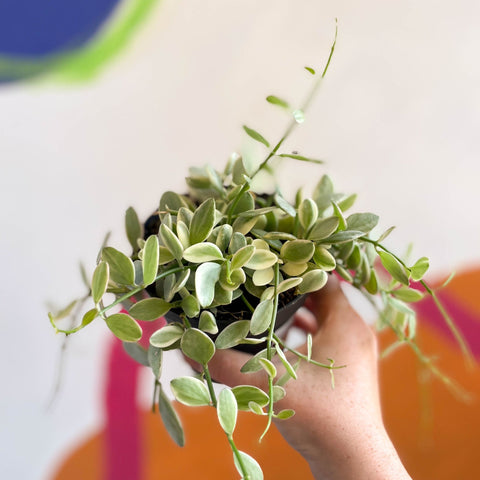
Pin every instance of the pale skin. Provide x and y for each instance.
(340, 431)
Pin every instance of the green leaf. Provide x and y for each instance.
(206, 277)
(312, 281)
(288, 367)
(190, 391)
(166, 336)
(227, 410)
(301, 158)
(310, 70)
(89, 317)
(133, 227)
(364, 222)
(202, 252)
(268, 366)
(172, 201)
(124, 327)
(252, 467)
(394, 267)
(262, 317)
(244, 224)
(347, 202)
(137, 352)
(202, 221)
(197, 345)
(242, 256)
(297, 251)
(323, 193)
(224, 236)
(284, 205)
(122, 270)
(285, 414)
(150, 259)
(165, 256)
(170, 418)
(277, 101)
(183, 233)
(100, 281)
(181, 281)
(372, 285)
(307, 213)
(278, 393)
(233, 334)
(263, 277)
(171, 241)
(207, 322)
(149, 309)
(261, 260)
(190, 306)
(246, 394)
(408, 294)
(342, 223)
(255, 408)
(420, 268)
(155, 357)
(324, 259)
(256, 136)
(253, 364)
(279, 236)
(343, 236)
(385, 234)
(323, 228)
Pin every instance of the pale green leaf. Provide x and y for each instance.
(207, 322)
(323, 193)
(133, 227)
(233, 334)
(419, 268)
(206, 277)
(137, 352)
(124, 327)
(150, 259)
(312, 281)
(197, 345)
(284, 205)
(297, 251)
(255, 135)
(149, 309)
(408, 295)
(202, 252)
(190, 306)
(155, 357)
(262, 317)
(324, 259)
(254, 471)
(285, 414)
(288, 367)
(242, 256)
(343, 236)
(166, 336)
(301, 158)
(307, 213)
(277, 101)
(253, 364)
(246, 394)
(171, 241)
(100, 281)
(298, 116)
(202, 221)
(268, 366)
(121, 268)
(89, 317)
(323, 228)
(262, 259)
(364, 222)
(263, 277)
(227, 410)
(310, 70)
(190, 391)
(394, 267)
(170, 418)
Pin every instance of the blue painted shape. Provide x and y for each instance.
(36, 28)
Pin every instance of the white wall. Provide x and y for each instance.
(397, 120)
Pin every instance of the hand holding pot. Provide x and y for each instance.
(339, 431)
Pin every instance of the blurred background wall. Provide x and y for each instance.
(113, 107)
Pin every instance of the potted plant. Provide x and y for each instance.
(220, 260)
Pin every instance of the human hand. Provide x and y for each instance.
(339, 431)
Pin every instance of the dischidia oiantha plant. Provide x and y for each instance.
(220, 261)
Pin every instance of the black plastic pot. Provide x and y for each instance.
(283, 322)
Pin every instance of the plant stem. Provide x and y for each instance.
(211, 390)
(305, 105)
(269, 350)
(235, 451)
(448, 320)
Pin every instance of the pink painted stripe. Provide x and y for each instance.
(123, 436)
(467, 322)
